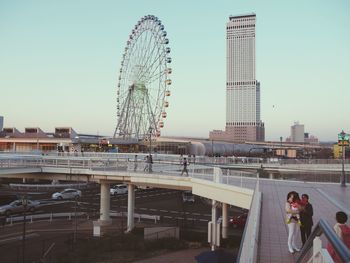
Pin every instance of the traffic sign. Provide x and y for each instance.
(343, 137)
(343, 143)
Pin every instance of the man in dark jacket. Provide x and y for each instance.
(306, 214)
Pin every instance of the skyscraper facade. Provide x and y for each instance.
(243, 121)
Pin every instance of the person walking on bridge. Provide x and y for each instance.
(135, 163)
(149, 162)
(185, 164)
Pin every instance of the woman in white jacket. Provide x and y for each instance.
(292, 221)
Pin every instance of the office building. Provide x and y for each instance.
(297, 132)
(243, 121)
(1, 123)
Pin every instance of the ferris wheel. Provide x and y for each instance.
(143, 83)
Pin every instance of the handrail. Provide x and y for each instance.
(324, 228)
(251, 231)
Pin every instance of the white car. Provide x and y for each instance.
(119, 189)
(67, 194)
(187, 196)
(18, 207)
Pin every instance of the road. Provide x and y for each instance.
(166, 203)
(40, 235)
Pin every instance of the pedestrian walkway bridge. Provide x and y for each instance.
(265, 235)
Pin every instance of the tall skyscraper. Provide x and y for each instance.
(243, 121)
(242, 88)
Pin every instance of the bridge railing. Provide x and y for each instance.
(192, 158)
(13, 162)
(248, 250)
(314, 251)
(161, 164)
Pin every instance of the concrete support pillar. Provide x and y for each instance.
(224, 220)
(105, 219)
(131, 207)
(214, 228)
(271, 175)
(24, 180)
(105, 202)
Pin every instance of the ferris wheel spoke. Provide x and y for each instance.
(152, 70)
(140, 53)
(150, 54)
(156, 76)
(145, 69)
(157, 73)
(154, 101)
(151, 115)
(146, 49)
(158, 59)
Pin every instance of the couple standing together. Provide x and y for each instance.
(298, 212)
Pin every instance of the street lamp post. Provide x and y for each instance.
(75, 221)
(281, 150)
(150, 141)
(150, 160)
(343, 179)
(24, 203)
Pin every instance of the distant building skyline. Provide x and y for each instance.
(298, 135)
(297, 132)
(243, 113)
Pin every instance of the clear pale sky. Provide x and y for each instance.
(59, 63)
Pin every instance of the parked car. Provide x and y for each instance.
(67, 194)
(238, 221)
(119, 189)
(187, 196)
(18, 207)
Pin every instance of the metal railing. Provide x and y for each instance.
(162, 164)
(191, 158)
(172, 232)
(248, 250)
(47, 216)
(324, 228)
(170, 166)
